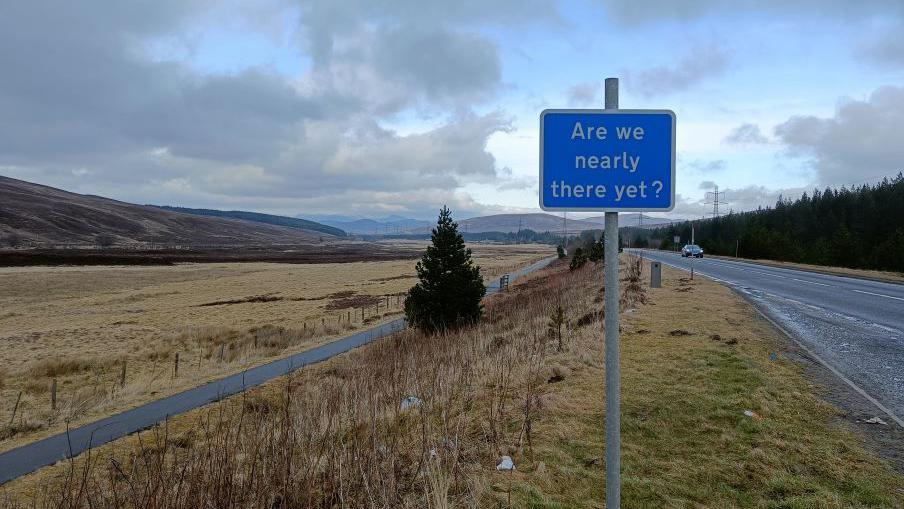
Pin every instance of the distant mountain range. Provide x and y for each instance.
(509, 223)
(505, 223)
(636, 219)
(542, 222)
(382, 226)
(36, 215)
(291, 222)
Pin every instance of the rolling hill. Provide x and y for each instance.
(513, 222)
(40, 216)
(388, 225)
(257, 217)
(635, 219)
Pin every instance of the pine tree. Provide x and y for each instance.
(450, 289)
(597, 251)
(578, 259)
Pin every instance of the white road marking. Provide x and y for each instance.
(799, 343)
(809, 282)
(837, 373)
(878, 295)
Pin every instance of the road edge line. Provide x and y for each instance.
(834, 371)
(809, 352)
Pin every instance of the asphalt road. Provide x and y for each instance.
(855, 325)
(30, 457)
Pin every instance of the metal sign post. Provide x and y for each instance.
(613, 363)
(608, 160)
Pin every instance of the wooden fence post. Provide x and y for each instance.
(176, 366)
(53, 389)
(122, 374)
(15, 408)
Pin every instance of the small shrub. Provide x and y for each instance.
(578, 259)
(556, 321)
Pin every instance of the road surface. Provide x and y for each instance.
(33, 456)
(855, 325)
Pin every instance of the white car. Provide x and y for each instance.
(692, 250)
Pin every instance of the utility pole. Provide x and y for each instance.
(714, 195)
(613, 375)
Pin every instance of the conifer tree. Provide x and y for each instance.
(450, 289)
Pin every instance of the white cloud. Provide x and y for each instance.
(86, 105)
(585, 95)
(746, 134)
(861, 142)
(696, 66)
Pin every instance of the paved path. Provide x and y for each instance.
(33, 456)
(855, 325)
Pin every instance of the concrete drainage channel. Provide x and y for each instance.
(30, 457)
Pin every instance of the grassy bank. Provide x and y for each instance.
(423, 422)
(82, 326)
(693, 360)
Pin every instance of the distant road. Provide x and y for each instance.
(855, 325)
(30, 457)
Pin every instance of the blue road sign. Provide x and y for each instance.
(607, 160)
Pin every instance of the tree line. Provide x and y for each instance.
(858, 227)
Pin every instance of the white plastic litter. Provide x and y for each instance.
(410, 402)
(753, 415)
(876, 420)
(506, 464)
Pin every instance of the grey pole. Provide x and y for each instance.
(613, 376)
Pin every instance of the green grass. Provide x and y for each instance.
(685, 439)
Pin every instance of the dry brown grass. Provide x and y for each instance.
(336, 435)
(81, 324)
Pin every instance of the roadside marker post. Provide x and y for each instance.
(655, 275)
(612, 161)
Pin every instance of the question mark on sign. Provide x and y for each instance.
(658, 185)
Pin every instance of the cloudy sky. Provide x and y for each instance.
(371, 108)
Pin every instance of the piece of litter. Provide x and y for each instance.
(411, 401)
(875, 420)
(753, 415)
(433, 453)
(506, 464)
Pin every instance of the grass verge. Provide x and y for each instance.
(419, 421)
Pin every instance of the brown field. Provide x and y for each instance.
(80, 325)
(334, 434)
